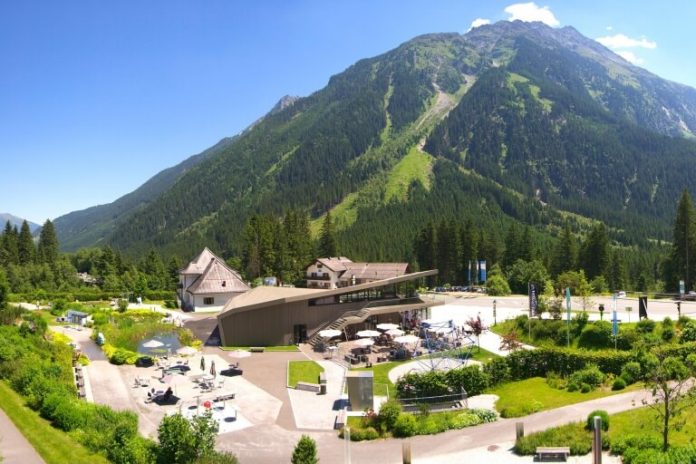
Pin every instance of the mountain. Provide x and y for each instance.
(17, 221)
(510, 123)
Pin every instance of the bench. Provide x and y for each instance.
(256, 349)
(306, 386)
(555, 452)
(224, 397)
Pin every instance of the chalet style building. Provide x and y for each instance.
(207, 283)
(331, 273)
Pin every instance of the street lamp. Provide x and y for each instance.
(495, 321)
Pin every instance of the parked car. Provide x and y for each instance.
(620, 294)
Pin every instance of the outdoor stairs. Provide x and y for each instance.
(347, 318)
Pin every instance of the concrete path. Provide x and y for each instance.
(319, 412)
(14, 448)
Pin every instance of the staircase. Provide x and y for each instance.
(347, 318)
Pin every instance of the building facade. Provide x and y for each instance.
(283, 316)
(207, 284)
(330, 273)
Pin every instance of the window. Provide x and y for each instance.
(208, 300)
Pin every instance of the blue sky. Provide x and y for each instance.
(96, 97)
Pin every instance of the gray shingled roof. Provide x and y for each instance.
(215, 276)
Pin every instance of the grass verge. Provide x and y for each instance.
(54, 446)
(303, 371)
(533, 395)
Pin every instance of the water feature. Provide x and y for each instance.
(163, 343)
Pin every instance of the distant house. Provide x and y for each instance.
(207, 283)
(329, 273)
(77, 317)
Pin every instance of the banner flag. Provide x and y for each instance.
(482, 271)
(533, 300)
(468, 275)
(614, 324)
(643, 307)
(568, 302)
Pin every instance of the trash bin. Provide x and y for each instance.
(322, 389)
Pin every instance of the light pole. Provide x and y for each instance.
(495, 321)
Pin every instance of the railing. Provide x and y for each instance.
(315, 276)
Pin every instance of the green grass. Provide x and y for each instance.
(534, 395)
(416, 166)
(644, 421)
(270, 349)
(303, 371)
(54, 446)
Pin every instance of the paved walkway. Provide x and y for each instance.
(14, 448)
(319, 412)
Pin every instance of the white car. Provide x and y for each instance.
(620, 294)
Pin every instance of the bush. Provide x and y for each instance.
(645, 326)
(631, 372)
(497, 370)
(596, 335)
(605, 419)
(522, 410)
(619, 445)
(524, 364)
(471, 378)
(362, 433)
(619, 384)
(388, 414)
(688, 331)
(590, 376)
(465, 419)
(486, 415)
(305, 451)
(585, 388)
(405, 425)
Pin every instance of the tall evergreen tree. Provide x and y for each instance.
(616, 274)
(447, 252)
(682, 264)
(48, 243)
(10, 239)
(594, 255)
(469, 250)
(25, 246)
(328, 246)
(565, 256)
(425, 249)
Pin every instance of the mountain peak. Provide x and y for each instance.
(17, 221)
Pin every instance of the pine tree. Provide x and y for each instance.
(594, 256)
(48, 243)
(425, 249)
(683, 255)
(469, 251)
(565, 256)
(10, 239)
(327, 240)
(25, 246)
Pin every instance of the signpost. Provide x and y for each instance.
(567, 295)
(682, 289)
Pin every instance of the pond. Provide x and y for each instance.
(163, 343)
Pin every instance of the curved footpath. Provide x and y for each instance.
(451, 446)
(14, 448)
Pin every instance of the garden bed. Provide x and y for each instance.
(303, 371)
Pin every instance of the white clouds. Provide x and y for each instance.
(620, 44)
(621, 41)
(479, 22)
(529, 12)
(629, 56)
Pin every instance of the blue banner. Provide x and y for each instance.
(614, 325)
(568, 302)
(468, 276)
(482, 271)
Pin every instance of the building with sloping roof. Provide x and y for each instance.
(207, 283)
(267, 316)
(329, 273)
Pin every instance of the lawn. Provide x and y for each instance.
(533, 395)
(54, 446)
(303, 371)
(270, 349)
(644, 421)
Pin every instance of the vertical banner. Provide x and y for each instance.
(614, 324)
(642, 307)
(567, 296)
(476, 271)
(468, 275)
(533, 299)
(682, 288)
(482, 271)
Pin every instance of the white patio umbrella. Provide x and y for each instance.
(239, 354)
(395, 332)
(329, 333)
(175, 379)
(387, 326)
(153, 344)
(407, 339)
(365, 342)
(187, 351)
(368, 333)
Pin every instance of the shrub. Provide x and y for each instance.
(619, 445)
(590, 375)
(388, 414)
(465, 419)
(431, 424)
(619, 384)
(631, 372)
(522, 410)
(596, 335)
(497, 370)
(362, 433)
(524, 364)
(414, 385)
(470, 378)
(554, 380)
(305, 451)
(405, 425)
(645, 326)
(486, 415)
(585, 388)
(605, 419)
(688, 331)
